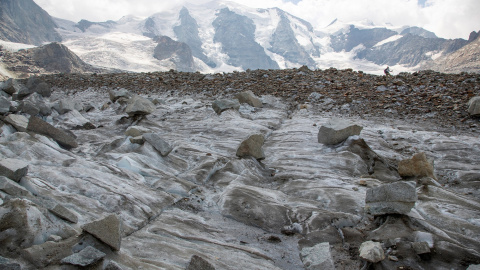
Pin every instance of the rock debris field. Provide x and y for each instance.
(264, 169)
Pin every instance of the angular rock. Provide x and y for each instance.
(22, 92)
(418, 166)
(221, 105)
(137, 140)
(64, 139)
(12, 188)
(337, 131)
(75, 120)
(66, 105)
(111, 265)
(49, 252)
(421, 247)
(139, 106)
(86, 257)
(249, 98)
(116, 94)
(252, 147)
(317, 257)
(135, 131)
(39, 102)
(107, 230)
(395, 198)
(474, 106)
(63, 212)
(158, 143)
(38, 86)
(4, 105)
(13, 168)
(198, 263)
(372, 251)
(8, 87)
(19, 122)
(29, 108)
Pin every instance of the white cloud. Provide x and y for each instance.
(446, 18)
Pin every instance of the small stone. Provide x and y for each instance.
(54, 238)
(13, 168)
(337, 131)
(393, 258)
(111, 265)
(19, 122)
(198, 263)
(116, 94)
(222, 105)
(137, 140)
(421, 247)
(86, 257)
(474, 106)
(252, 146)
(417, 166)
(135, 131)
(63, 212)
(158, 143)
(106, 230)
(138, 105)
(249, 98)
(317, 257)
(372, 251)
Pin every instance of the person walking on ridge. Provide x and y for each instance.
(387, 71)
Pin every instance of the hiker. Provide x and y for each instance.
(387, 71)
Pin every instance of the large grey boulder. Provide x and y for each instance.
(39, 86)
(221, 105)
(198, 263)
(19, 122)
(85, 257)
(337, 130)
(13, 168)
(252, 147)
(4, 105)
(119, 93)
(138, 105)
(394, 198)
(317, 257)
(36, 100)
(418, 166)
(372, 251)
(66, 105)
(249, 98)
(107, 230)
(474, 106)
(63, 138)
(12, 188)
(158, 143)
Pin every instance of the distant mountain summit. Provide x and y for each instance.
(23, 21)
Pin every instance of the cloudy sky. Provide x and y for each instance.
(446, 18)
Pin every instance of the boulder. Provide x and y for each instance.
(372, 251)
(138, 105)
(85, 257)
(421, 247)
(135, 131)
(474, 106)
(249, 98)
(28, 107)
(418, 166)
(66, 105)
(8, 86)
(107, 230)
(252, 147)
(198, 263)
(64, 213)
(13, 168)
(337, 131)
(50, 252)
(19, 122)
(39, 86)
(158, 143)
(39, 102)
(221, 105)
(394, 198)
(22, 92)
(137, 140)
(119, 93)
(63, 138)
(12, 188)
(317, 257)
(75, 120)
(4, 105)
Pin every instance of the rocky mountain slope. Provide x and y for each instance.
(23, 21)
(344, 170)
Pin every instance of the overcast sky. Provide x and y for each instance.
(446, 18)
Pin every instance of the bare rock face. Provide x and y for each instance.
(372, 252)
(417, 166)
(57, 57)
(395, 198)
(180, 53)
(337, 131)
(474, 106)
(252, 147)
(108, 230)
